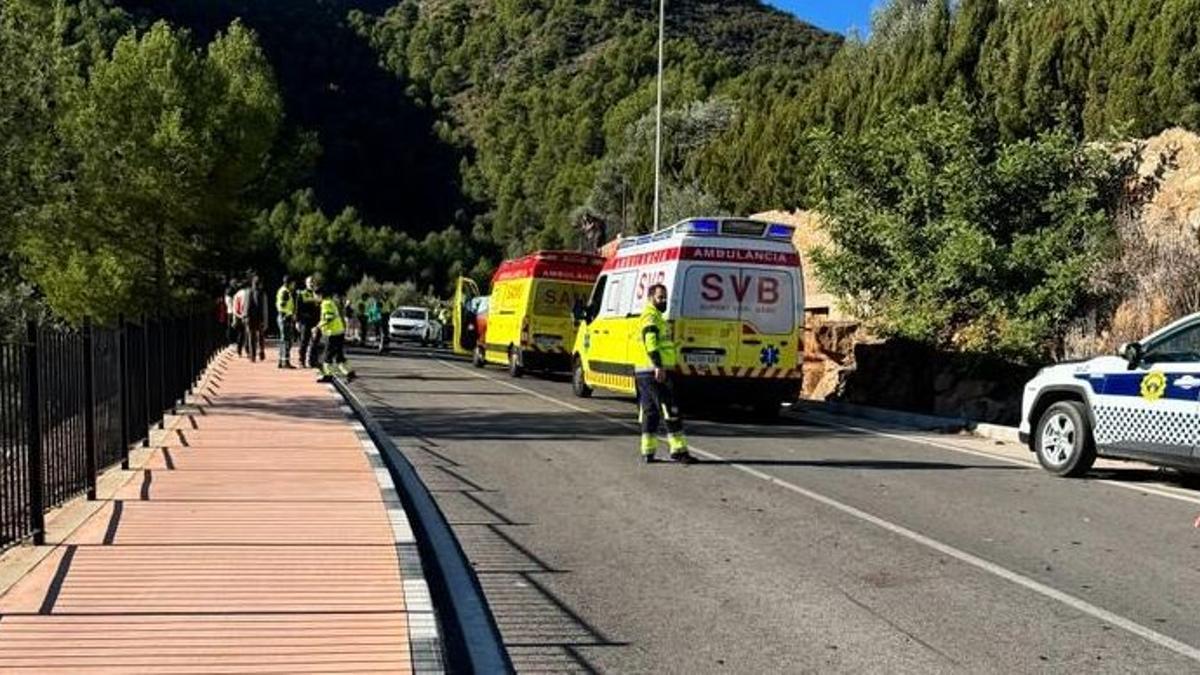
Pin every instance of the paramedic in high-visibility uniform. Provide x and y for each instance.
(656, 357)
(333, 327)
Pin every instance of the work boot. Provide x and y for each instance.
(649, 459)
(287, 365)
(683, 457)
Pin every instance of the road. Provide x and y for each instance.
(805, 545)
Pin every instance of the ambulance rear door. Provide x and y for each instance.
(553, 324)
(463, 322)
(738, 317)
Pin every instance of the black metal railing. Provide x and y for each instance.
(73, 401)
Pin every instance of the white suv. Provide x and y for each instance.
(1142, 405)
(416, 324)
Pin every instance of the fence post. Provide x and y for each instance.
(163, 389)
(123, 361)
(33, 420)
(147, 404)
(89, 409)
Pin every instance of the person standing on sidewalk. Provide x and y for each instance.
(256, 321)
(656, 394)
(285, 306)
(241, 307)
(308, 312)
(333, 326)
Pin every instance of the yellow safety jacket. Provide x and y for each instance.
(331, 319)
(658, 349)
(285, 302)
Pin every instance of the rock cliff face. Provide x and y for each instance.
(1154, 276)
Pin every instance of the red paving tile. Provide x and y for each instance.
(255, 540)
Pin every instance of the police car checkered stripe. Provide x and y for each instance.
(1119, 424)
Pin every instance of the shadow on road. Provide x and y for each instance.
(881, 465)
(541, 631)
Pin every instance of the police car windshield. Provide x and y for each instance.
(1178, 346)
(409, 314)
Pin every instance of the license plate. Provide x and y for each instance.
(703, 359)
(547, 341)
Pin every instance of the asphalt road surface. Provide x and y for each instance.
(800, 546)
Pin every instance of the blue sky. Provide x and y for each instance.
(835, 15)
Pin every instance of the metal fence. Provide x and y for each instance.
(72, 402)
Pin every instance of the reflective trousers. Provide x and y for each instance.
(657, 407)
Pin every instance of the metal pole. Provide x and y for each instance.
(33, 418)
(89, 410)
(662, 20)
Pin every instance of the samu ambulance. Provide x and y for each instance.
(736, 311)
(530, 323)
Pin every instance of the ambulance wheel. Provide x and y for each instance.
(579, 383)
(477, 358)
(514, 364)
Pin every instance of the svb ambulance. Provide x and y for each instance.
(736, 311)
(530, 324)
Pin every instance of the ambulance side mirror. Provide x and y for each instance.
(580, 312)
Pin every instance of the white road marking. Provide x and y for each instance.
(1160, 491)
(1079, 604)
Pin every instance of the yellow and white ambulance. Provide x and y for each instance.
(736, 311)
(528, 324)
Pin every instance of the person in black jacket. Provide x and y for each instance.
(308, 314)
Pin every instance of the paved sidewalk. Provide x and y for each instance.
(262, 536)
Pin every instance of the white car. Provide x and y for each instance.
(1143, 405)
(415, 324)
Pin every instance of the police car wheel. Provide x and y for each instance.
(1063, 440)
(579, 383)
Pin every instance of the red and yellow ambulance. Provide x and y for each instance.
(736, 311)
(530, 323)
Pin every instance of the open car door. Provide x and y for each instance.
(464, 322)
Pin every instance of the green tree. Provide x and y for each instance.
(943, 234)
(162, 144)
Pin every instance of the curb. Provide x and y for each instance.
(424, 641)
(470, 640)
(919, 421)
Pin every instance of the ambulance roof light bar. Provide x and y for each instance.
(738, 227)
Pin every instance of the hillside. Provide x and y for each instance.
(499, 112)
(547, 99)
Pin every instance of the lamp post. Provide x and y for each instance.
(662, 12)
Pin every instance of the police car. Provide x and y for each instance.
(1143, 404)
